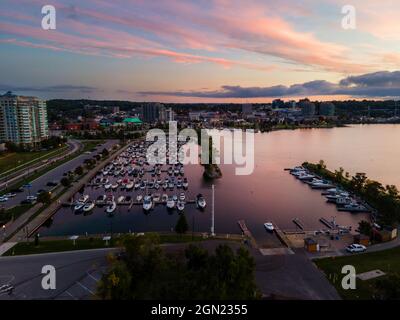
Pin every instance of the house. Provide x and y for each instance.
(387, 233)
(311, 245)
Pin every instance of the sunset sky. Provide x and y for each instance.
(201, 51)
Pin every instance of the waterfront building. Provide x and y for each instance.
(307, 108)
(247, 109)
(151, 112)
(23, 120)
(166, 114)
(327, 109)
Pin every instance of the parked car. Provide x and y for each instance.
(17, 190)
(40, 191)
(3, 199)
(10, 195)
(31, 198)
(354, 248)
(52, 183)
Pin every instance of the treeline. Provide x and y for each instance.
(50, 143)
(146, 272)
(385, 199)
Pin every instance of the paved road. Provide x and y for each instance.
(77, 273)
(74, 146)
(55, 174)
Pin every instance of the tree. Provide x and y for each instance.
(105, 152)
(78, 171)
(365, 228)
(181, 225)
(65, 182)
(44, 197)
(146, 272)
(388, 288)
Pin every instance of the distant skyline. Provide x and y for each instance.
(201, 51)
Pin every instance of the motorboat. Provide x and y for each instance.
(111, 207)
(180, 206)
(185, 183)
(354, 207)
(107, 186)
(321, 185)
(164, 198)
(156, 197)
(129, 185)
(137, 185)
(170, 203)
(139, 198)
(79, 206)
(182, 171)
(84, 198)
(200, 201)
(269, 226)
(182, 196)
(305, 176)
(165, 185)
(175, 197)
(147, 203)
(114, 186)
(344, 200)
(120, 199)
(88, 206)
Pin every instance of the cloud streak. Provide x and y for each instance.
(378, 84)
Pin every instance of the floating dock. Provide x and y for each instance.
(298, 223)
(247, 233)
(327, 223)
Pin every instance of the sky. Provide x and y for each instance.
(201, 51)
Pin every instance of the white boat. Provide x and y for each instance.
(200, 201)
(165, 185)
(182, 196)
(353, 207)
(180, 206)
(107, 186)
(84, 198)
(344, 200)
(170, 204)
(120, 199)
(305, 176)
(139, 198)
(147, 203)
(111, 207)
(269, 226)
(164, 198)
(156, 197)
(114, 186)
(88, 206)
(79, 206)
(129, 185)
(137, 185)
(185, 183)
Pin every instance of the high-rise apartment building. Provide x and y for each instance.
(23, 120)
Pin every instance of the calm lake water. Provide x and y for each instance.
(269, 194)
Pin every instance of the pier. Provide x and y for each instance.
(247, 233)
(298, 223)
(327, 223)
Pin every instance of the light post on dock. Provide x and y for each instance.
(212, 213)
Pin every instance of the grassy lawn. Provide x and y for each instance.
(24, 248)
(90, 144)
(388, 261)
(9, 161)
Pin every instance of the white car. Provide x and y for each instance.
(31, 198)
(354, 248)
(3, 199)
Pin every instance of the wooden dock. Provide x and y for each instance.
(327, 223)
(298, 223)
(247, 233)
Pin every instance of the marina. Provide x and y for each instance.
(236, 198)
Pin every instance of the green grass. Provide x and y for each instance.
(90, 144)
(387, 260)
(46, 246)
(24, 248)
(10, 161)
